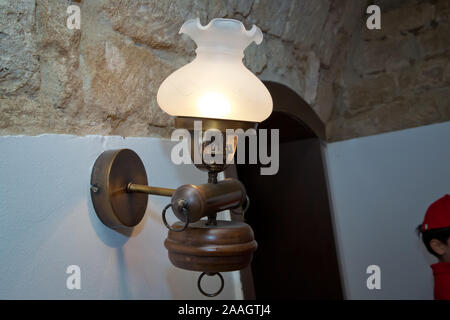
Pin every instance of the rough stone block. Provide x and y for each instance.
(407, 112)
(325, 100)
(401, 20)
(312, 75)
(347, 128)
(401, 113)
(19, 64)
(441, 99)
(282, 65)
(263, 13)
(434, 73)
(443, 11)
(333, 35)
(425, 75)
(255, 59)
(305, 22)
(61, 80)
(369, 92)
(240, 7)
(435, 41)
(154, 23)
(382, 55)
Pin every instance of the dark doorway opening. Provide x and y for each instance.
(290, 211)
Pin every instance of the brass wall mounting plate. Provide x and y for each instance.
(112, 172)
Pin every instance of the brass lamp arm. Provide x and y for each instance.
(140, 188)
(119, 192)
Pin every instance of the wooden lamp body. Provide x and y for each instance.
(227, 246)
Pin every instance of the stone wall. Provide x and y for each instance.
(103, 78)
(397, 77)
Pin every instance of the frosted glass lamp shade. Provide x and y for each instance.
(216, 84)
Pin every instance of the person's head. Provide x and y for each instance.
(435, 229)
(437, 242)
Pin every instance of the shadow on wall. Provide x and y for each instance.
(123, 283)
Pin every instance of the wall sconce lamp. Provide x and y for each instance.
(217, 89)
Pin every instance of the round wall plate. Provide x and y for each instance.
(112, 172)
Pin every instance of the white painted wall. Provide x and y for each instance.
(381, 187)
(47, 222)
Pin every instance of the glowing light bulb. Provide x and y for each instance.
(213, 105)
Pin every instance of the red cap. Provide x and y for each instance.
(438, 214)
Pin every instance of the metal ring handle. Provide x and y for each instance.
(247, 205)
(210, 274)
(186, 215)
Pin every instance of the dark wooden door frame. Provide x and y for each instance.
(286, 101)
(248, 287)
